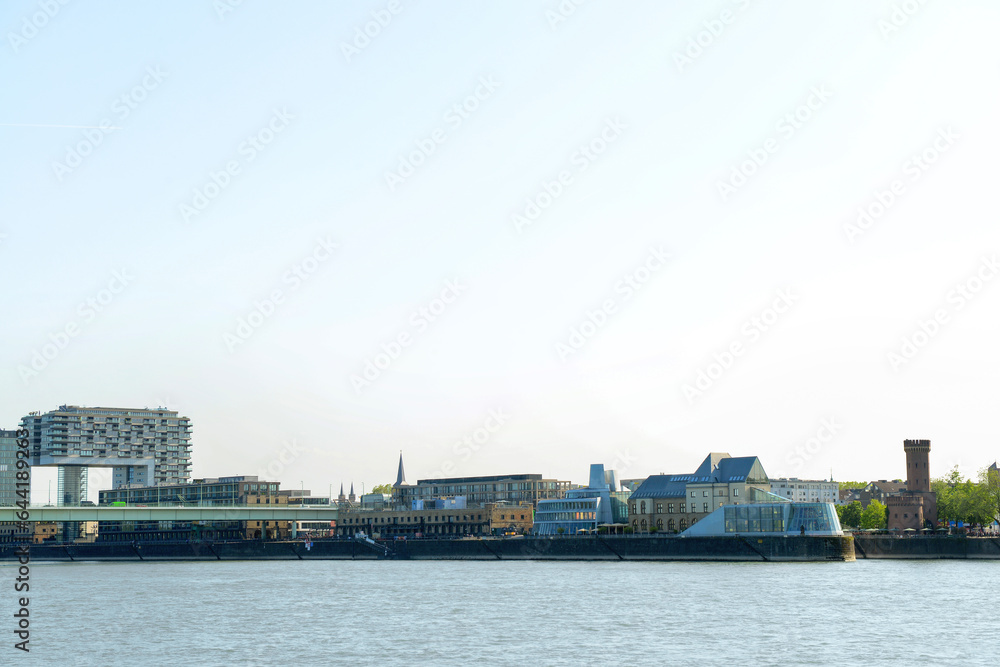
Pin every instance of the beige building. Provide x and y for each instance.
(672, 503)
(488, 520)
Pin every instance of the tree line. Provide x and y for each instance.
(958, 499)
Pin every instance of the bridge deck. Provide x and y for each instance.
(204, 513)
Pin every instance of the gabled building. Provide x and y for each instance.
(673, 502)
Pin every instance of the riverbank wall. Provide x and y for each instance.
(608, 548)
(921, 548)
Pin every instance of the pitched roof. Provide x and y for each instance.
(717, 468)
(661, 486)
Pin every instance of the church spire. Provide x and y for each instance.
(400, 475)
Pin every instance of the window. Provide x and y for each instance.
(684, 524)
(704, 494)
(633, 508)
(670, 508)
(671, 525)
(642, 508)
(683, 508)
(644, 524)
(706, 508)
(659, 524)
(659, 508)
(736, 492)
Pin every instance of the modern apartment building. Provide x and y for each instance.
(8, 468)
(8, 482)
(144, 447)
(806, 490)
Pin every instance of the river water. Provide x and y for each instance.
(510, 613)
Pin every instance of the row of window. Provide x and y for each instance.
(642, 525)
(414, 519)
(641, 508)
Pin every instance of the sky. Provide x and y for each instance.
(517, 237)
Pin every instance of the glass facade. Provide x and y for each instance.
(781, 518)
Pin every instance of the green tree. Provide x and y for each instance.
(852, 485)
(990, 480)
(383, 488)
(873, 516)
(850, 514)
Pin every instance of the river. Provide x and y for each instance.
(511, 612)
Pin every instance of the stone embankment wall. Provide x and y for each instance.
(729, 548)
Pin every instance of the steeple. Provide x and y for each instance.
(400, 475)
(341, 496)
(351, 497)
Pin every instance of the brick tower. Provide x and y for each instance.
(917, 471)
(916, 507)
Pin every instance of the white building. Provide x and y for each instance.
(806, 490)
(144, 447)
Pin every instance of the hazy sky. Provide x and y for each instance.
(507, 237)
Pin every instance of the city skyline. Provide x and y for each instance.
(626, 235)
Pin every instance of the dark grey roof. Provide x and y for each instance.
(716, 468)
(661, 486)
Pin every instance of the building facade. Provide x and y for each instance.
(144, 447)
(8, 468)
(806, 490)
(600, 503)
(485, 490)
(491, 519)
(672, 503)
(213, 492)
(880, 490)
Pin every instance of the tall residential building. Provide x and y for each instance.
(8, 482)
(143, 446)
(8, 468)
